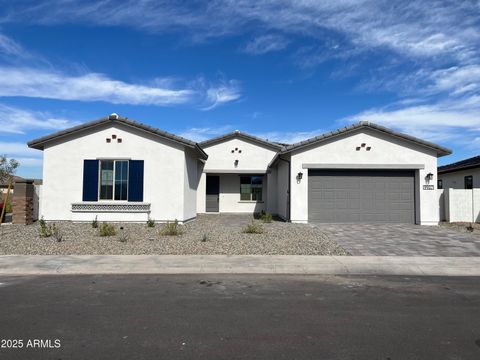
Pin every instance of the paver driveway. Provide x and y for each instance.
(402, 240)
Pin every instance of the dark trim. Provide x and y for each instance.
(441, 151)
(466, 164)
(243, 135)
(40, 143)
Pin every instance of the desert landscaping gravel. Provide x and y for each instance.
(223, 235)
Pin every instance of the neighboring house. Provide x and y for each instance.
(4, 185)
(120, 170)
(463, 174)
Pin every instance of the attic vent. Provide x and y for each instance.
(113, 116)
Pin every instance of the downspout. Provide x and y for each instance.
(288, 188)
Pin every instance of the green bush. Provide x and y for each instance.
(95, 223)
(46, 230)
(266, 217)
(57, 234)
(107, 230)
(8, 208)
(253, 228)
(171, 229)
(150, 223)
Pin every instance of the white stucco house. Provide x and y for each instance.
(464, 174)
(120, 170)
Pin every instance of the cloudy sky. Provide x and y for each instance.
(284, 70)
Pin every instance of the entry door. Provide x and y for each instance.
(213, 191)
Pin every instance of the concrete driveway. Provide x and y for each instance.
(402, 240)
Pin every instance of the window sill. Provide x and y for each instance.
(111, 206)
(251, 201)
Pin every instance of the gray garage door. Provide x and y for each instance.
(361, 196)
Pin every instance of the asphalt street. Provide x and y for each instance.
(239, 317)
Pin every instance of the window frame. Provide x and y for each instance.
(113, 178)
(439, 184)
(251, 193)
(470, 178)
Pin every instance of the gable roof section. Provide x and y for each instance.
(441, 151)
(40, 142)
(242, 135)
(460, 165)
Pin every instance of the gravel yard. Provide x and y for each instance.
(223, 236)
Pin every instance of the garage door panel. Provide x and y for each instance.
(361, 196)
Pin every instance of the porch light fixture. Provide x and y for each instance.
(300, 176)
(236, 163)
(429, 177)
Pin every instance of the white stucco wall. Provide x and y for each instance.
(230, 196)
(164, 173)
(253, 156)
(282, 187)
(456, 180)
(462, 205)
(253, 159)
(385, 149)
(201, 192)
(190, 185)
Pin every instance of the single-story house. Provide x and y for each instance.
(463, 174)
(117, 169)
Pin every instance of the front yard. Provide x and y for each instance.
(207, 235)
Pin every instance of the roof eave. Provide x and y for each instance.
(441, 151)
(240, 134)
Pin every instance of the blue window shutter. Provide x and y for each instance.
(135, 180)
(90, 180)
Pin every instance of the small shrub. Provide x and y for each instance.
(46, 230)
(150, 223)
(57, 233)
(95, 223)
(204, 238)
(266, 217)
(171, 229)
(106, 230)
(8, 208)
(253, 228)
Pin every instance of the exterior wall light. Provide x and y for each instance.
(299, 176)
(236, 163)
(429, 177)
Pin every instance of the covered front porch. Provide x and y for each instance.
(241, 192)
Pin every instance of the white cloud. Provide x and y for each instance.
(201, 134)
(457, 121)
(266, 43)
(289, 137)
(27, 158)
(17, 121)
(11, 48)
(37, 83)
(15, 149)
(224, 92)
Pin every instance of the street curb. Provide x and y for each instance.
(238, 264)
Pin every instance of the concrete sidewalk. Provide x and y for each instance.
(246, 264)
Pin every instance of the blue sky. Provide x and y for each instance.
(283, 70)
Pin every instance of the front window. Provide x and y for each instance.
(469, 182)
(440, 184)
(113, 180)
(251, 188)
